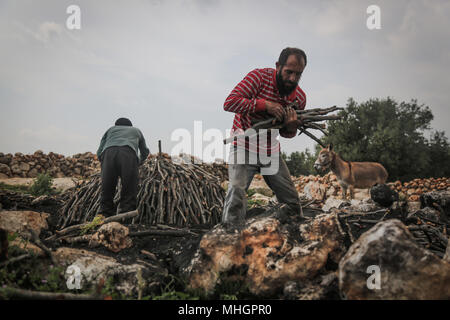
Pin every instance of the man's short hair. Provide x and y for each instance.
(123, 122)
(284, 55)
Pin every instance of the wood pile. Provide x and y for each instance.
(169, 193)
(80, 165)
(218, 169)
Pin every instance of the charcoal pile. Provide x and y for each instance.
(169, 193)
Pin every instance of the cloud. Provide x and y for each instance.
(46, 31)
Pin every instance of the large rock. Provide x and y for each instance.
(113, 236)
(22, 221)
(265, 254)
(407, 271)
(93, 267)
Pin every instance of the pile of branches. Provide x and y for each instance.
(430, 233)
(309, 119)
(169, 193)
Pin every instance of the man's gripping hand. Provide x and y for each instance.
(275, 109)
(291, 121)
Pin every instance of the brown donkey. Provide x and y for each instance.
(349, 174)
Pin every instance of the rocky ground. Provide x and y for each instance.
(341, 249)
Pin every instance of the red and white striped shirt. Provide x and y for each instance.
(247, 101)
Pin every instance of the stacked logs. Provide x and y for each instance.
(169, 193)
(80, 165)
(411, 189)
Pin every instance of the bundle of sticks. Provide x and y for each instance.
(309, 119)
(169, 193)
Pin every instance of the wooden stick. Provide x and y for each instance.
(173, 233)
(16, 259)
(35, 239)
(115, 218)
(38, 295)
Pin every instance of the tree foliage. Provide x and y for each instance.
(387, 132)
(300, 163)
(390, 133)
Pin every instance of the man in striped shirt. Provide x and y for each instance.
(264, 93)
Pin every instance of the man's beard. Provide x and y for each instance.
(284, 91)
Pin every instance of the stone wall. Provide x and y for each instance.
(30, 165)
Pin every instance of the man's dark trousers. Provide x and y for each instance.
(119, 162)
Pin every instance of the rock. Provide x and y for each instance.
(33, 173)
(327, 289)
(4, 169)
(6, 158)
(113, 236)
(260, 197)
(21, 221)
(413, 206)
(266, 254)
(407, 271)
(315, 191)
(331, 192)
(94, 267)
(291, 290)
(383, 195)
(446, 256)
(28, 246)
(15, 169)
(25, 167)
(334, 203)
(3, 176)
(366, 205)
(361, 194)
(438, 199)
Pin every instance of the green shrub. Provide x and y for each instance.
(42, 185)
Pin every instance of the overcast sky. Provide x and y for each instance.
(166, 64)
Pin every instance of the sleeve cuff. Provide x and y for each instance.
(260, 105)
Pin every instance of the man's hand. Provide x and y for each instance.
(291, 121)
(276, 110)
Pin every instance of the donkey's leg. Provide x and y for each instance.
(344, 192)
(352, 192)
